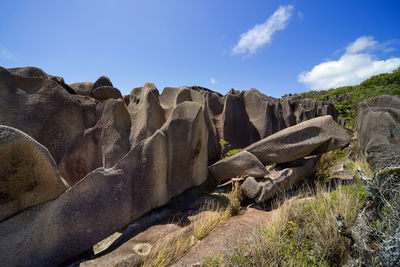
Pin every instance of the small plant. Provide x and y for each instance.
(212, 261)
(232, 152)
(226, 145)
(327, 161)
(350, 165)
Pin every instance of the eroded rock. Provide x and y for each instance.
(28, 173)
(242, 164)
(312, 137)
(279, 180)
(153, 172)
(378, 125)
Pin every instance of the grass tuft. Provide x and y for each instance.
(212, 214)
(304, 232)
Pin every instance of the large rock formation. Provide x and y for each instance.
(153, 172)
(311, 137)
(290, 146)
(279, 179)
(124, 156)
(70, 126)
(28, 173)
(378, 125)
(242, 164)
(145, 111)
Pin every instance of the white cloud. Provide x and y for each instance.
(261, 34)
(363, 43)
(6, 54)
(357, 64)
(213, 81)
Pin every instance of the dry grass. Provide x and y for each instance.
(326, 163)
(364, 166)
(170, 250)
(211, 215)
(304, 232)
(208, 220)
(218, 213)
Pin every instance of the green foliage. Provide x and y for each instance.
(210, 261)
(385, 83)
(350, 165)
(231, 152)
(303, 234)
(326, 163)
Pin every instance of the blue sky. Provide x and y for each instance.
(275, 46)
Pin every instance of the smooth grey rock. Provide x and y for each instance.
(83, 88)
(312, 137)
(106, 92)
(378, 126)
(241, 164)
(28, 173)
(145, 111)
(279, 180)
(155, 170)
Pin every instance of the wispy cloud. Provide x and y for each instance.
(213, 81)
(359, 62)
(261, 34)
(300, 15)
(6, 54)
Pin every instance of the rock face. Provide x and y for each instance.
(242, 164)
(311, 137)
(153, 172)
(289, 146)
(279, 179)
(106, 92)
(378, 125)
(69, 126)
(145, 112)
(84, 88)
(28, 173)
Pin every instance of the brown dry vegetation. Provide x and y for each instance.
(211, 215)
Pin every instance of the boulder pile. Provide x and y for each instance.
(81, 161)
(296, 151)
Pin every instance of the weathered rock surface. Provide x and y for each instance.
(237, 129)
(28, 173)
(136, 153)
(102, 81)
(83, 88)
(69, 126)
(145, 111)
(154, 171)
(311, 137)
(106, 92)
(378, 125)
(242, 164)
(172, 96)
(279, 179)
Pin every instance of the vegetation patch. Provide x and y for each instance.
(346, 98)
(326, 163)
(304, 233)
(226, 145)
